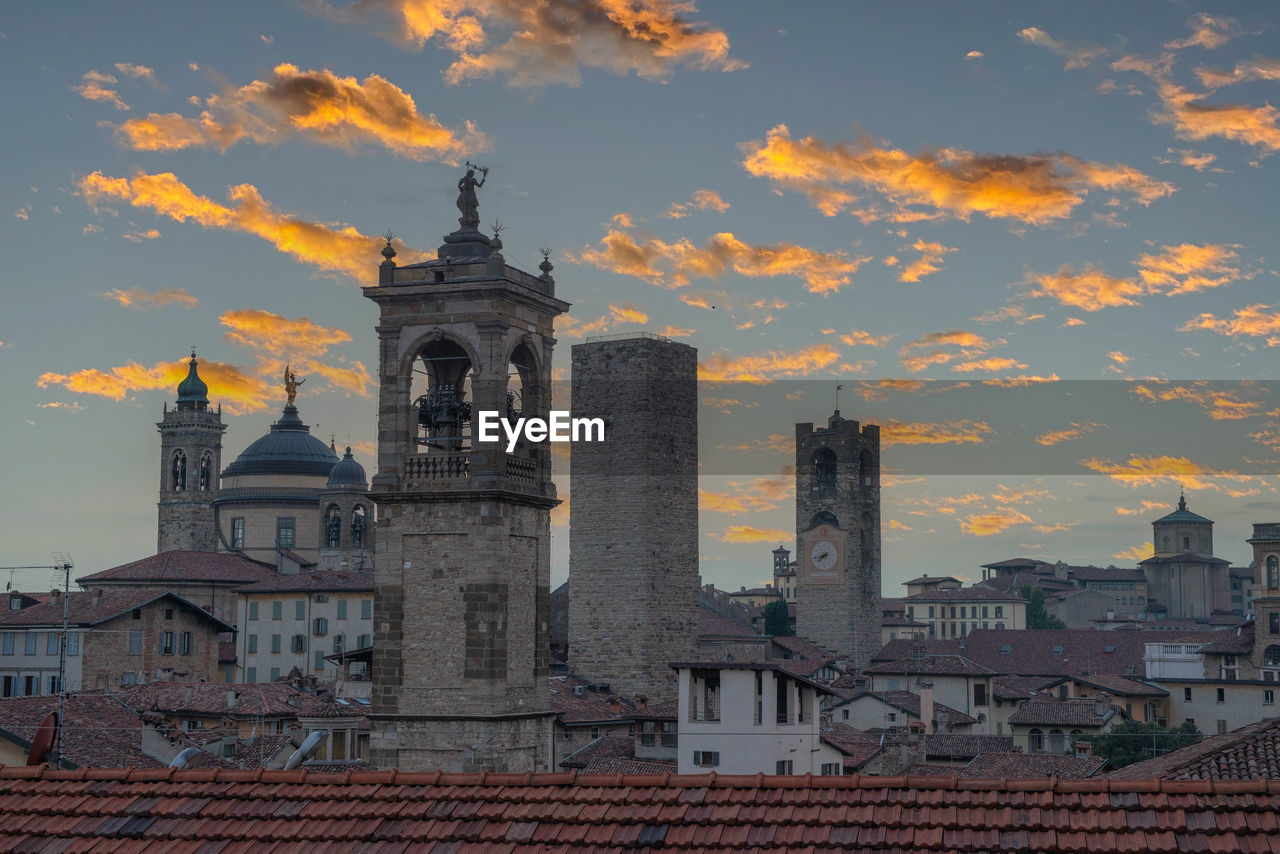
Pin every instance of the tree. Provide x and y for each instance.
(777, 620)
(1037, 616)
(1132, 742)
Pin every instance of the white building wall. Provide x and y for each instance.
(1174, 661)
(260, 664)
(41, 665)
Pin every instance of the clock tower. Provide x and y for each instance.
(838, 536)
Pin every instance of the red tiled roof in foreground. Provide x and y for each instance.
(232, 811)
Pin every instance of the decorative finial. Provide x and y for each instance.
(497, 227)
(193, 352)
(291, 383)
(546, 266)
(333, 444)
(1182, 498)
(388, 251)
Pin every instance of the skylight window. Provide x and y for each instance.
(1057, 650)
(1006, 649)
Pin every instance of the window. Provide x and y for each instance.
(1035, 741)
(1057, 650)
(891, 716)
(339, 642)
(999, 611)
(275, 673)
(1273, 622)
(980, 694)
(53, 685)
(229, 749)
(706, 758)
(15, 603)
(73, 643)
(8, 643)
(300, 609)
(342, 609)
(319, 665)
(251, 674)
(1268, 696)
(167, 643)
(1222, 727)
(52, 646)
(184, 643)
(251, 645)
(984, 612)
(1186, 695)
(168, 613)
(366, 609)
(758, 718)
(284, 532)
(30, 648)
(595, 733)
(298, 644)
(6, 686)
(137, 613)
(706, 696)
(275, 643)
(1272, 654)
(253, 610)
(363, 641)
(135, 642)
(1222, 695)
(783, 766)
(277, 610)
(127, 679)
(237, 532)
(1273, 572)
(190, 724)
(320, 626)
(28, 686)
(831, 769)
(322, 597)
(1062, 692)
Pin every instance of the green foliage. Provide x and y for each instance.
(1037, 616)
(776, 621)
(1132, 742)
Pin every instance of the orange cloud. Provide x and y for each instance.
(571, 327)
(1091, 290)
(993, 363)
(551, 40)
(942, 183)
(1253, 320)
(773, 364)
(1016, 313)
(142, 300)
(675, 264)
(1258, 68)
(339, 111)
(1136, 553)
(139, 72)
(142, 234)
(1208, 31)
(1075, 431)
(627, 313)
(1222, 404)
(228, 384)
(929, 262)
(1156, 470)
(751, 534)
(1077, 55)
(1197, 160)
(1187, 268)
(761, 495)
(858, 337)
(965, 431)
(702, 200)
(968, 346)
(676, 332)
(96, 86)
(339, 249)
(299, 342)
(987, 524)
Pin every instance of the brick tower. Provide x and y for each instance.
(190, 459)
(1266, 598)
(462, 568)
(633, 526)
(838, 537)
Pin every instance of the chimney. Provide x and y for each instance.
(1111, 615)
(615, 705)
(186, 696)
(1084, 748)
(926, 706)
(1104, 704)
(640, 703)
(232, 698)
(97, 595)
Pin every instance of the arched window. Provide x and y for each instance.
(358, 522)
(867, 469)
(824, 473)
(1272, 655)
(1055, 741)
(824, 518)
(206, 471)
(1035, 741)
(1186, 541)
(333, 527)
(1165, 542)
(179, 474)
(1273, 572)
(441, 394)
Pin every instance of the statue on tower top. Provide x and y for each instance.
(468, 204)
(291, 383)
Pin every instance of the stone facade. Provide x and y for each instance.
(1266, 598)
(633, 531)
(115, 654)
(190, 459)
(838, 487)
(462, 562)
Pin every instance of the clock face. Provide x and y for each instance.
(823, 555)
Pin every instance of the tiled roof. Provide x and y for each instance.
(98, 729)
(848, 684)
(1042, 710)
(947, 745)
(233, 811)
(927, 579)
(964, 594)
(1098, 573)
(316, 581)
(629, 765)
(207, 567)
(804, 648)
(986, 766)
(1016, 561)
(91, 608)
(931, 665)
(587, 706)
(1026, 579)
(910, 703)
(1249, 753)
(1020, 687)
(1121, 686)
(604, 747)
(857, 747)
(270, 699)
(713, 622)
(794, 669)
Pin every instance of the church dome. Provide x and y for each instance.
(348, 472)
(1182, 515)
(192, 392)
(288, 449)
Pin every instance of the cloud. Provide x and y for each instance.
(774, 364)
(1077, 54)
(96, 86)
(627, 313)
(1252, 321)
(1159, 470)
(571, 327)
(298, 342)
(987, 524)
(967, 346)
(929, 262)
(1197, 160)
(676, 331)
(1258, 68)
(974, 54)
(1069, 434)
(702, 200)
(1208, 31)
(1016, 313)
(757, 497)
(338, 111)
(675, 264)
(1136, 553)
(1221, 404)
(751, 534)
(1092, 289)
(141, 300)
(230, 385)
(550, 41)
(23, 213)
(338, 249)
(943, 183)
(139, 235)
(960, 432)
(73, 407)
(994, 363)
(859, 338)
(139, 72)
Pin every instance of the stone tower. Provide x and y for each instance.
(1266, 598)
(346, 517)
(633, 525)
(1184, 579)
(838, 537)
(462, 568)
(190, 459)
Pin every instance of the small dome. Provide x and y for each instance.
(192, 392)
(288, 449)
(1182, 515)
(348, 472)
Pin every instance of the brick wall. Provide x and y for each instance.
(106, 646)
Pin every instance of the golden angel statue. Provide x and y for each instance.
(291, 383)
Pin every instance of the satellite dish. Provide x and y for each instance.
(46, 733)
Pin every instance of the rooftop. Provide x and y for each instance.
(179, 566)
(316, 581)
(910, 703)
(235, 810)
(1249, 753)
(1014, 765)
(1043, 710)
(98, 606)
(965, 594)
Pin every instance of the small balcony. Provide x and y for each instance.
(436, 470)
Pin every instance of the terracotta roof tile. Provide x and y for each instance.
(91, 608)
(313, 581)
(206, 567)
(1249, 753)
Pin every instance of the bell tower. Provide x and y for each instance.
(838, 536)
(190, 459)
(462, 560)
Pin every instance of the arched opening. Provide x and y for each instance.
(333, 527)
(441, 395)
(1035, 741)
(206, 471)
(867, 469)
(1271, 655)
(824, 473)
(178, 477)
(358, 523)
(1273, 572)
(1056, 741)
(1186, 541)
(824, 518)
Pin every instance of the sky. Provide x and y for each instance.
(1031, 242)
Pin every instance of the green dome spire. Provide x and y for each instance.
(192, 392)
